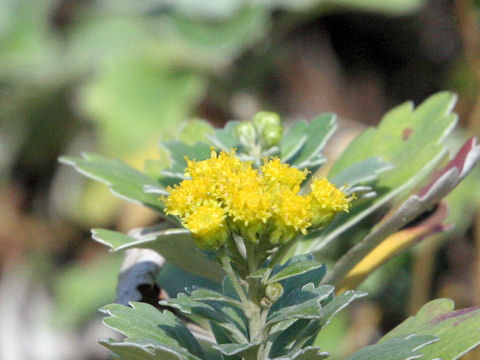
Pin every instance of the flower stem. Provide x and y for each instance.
(224, 260)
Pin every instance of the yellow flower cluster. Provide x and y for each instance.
(226, 195)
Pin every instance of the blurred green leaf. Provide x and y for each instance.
(411, 140)
(387, 7)
(318, 131)
(135, 101)
(458, 331)
(398, 348)
(77, 289)
(361, 172)
(194, 131)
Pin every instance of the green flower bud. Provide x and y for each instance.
(321, 218)
(265, 302)
(246, 133)
(274, 291)
(265, 118)
(272, 135)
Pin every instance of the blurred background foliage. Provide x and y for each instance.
(115, 77)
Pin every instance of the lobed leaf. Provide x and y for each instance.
(307, 353)
(295, 269)
(143, 324)
(175, 245)
(123, 180)
(222, 314)
(397, 348)
(132, 351)
(225, 139)
(302, 145)
(458, 331)
(304, 303)
(179, 152)
(409, 139)
(243, 350)
(362, 172)
(443, 182)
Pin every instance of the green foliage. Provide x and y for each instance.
(400, 140)
(398, 348)
(146, 328)
(122, 179)
(457, 330)
(266, 309)
(177, 246)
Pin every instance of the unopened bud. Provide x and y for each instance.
(265, 118)
(245, 131)
(274, 291)
(272, 135)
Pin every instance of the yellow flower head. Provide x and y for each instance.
(226, 194)
(294, 211)
(187, 196)
(276, 172)
(327, 200)
(208, 226)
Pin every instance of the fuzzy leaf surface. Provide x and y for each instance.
(123, 180)
(458, 331)
(295, 269)
(175, 245)
(133, 351)
(143, 324)
(409, 139)
(397, 348)
(317, 132)
(304, 303)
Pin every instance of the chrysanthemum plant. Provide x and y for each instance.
(247, 212)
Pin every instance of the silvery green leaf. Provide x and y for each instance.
(175, 245)
(314, 275)
(293, 141)
(225, 316)
(225, 139)
(319, 130)
(458, 331)
(306, 353)
(303, 332)
(132, 351)
(411, 140)
(238, 349)
(178, 152)
(189, 306)
(361, 172)
(211, 295)
(316, 134)
(442, 182)
(123, 180)
(339, 303)
(304, 303)
(223, 337)
(398, 348)
(295, 269)
(145, 325)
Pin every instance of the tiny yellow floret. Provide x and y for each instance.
(208, 226)
(327, 200)
(276, 172)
